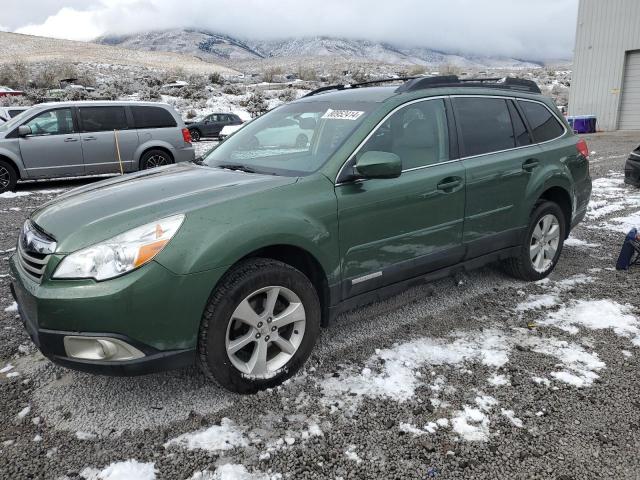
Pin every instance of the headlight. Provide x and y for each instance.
(120, 254)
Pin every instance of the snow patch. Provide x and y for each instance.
(215, 438)
(232, 471)
(14, 194)
(596, 315)
(575, 242)
(128, 470)
(12, 308)
(512, 418)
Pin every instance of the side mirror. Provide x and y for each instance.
(376, 164)
(24, 130)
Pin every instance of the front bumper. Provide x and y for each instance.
(632, 171)
(151, 309)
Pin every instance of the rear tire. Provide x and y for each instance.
(542, 246)
(8, 177)
(259, 326)
(195, 135)
(155, 158)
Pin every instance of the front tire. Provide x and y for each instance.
(259, 326)
(8, 177)
(542, 246)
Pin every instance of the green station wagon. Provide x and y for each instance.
(236, 263)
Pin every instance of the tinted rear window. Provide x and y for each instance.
(543, 124)
(152, 117)
(485, 125)
(519, 130)
(100, 119)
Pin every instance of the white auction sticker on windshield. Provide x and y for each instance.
(342, 114)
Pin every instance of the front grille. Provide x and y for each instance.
(34, 250)
(33, 263)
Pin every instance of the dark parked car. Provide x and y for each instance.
(632, 168)
(211, 125)
(235, 264)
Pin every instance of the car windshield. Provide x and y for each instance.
(293, 140)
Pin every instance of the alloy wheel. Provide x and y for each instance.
(5, 177)
(156, 160)
(545, 240)
(265, 331)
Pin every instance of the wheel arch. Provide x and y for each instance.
(146, 148)
(13, 164)
(304, 261)
(562, 198)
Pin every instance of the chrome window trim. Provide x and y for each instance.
(355, 152)
(635, 154)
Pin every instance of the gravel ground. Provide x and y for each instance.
(477, 376)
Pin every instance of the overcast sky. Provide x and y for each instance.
(537, 30)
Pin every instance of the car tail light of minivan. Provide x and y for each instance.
(186, 134)
(582, 148)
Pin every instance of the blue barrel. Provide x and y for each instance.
(583, 123)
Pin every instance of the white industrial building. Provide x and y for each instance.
(606, 64)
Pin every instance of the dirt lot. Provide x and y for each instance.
(477, 376)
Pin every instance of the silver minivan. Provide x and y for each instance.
(65, 139)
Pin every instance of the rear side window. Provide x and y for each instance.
(485, 125)
(519, 129)
(152, 117)
(543, 124)
(101, 119)
(13, 113)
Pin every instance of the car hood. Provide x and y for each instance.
(97, 212)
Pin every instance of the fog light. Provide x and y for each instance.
(100, 348)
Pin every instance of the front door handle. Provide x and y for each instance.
(530, 164)
(70, 139)
(86, 139)
(449, 184)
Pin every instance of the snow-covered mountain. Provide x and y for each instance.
(215, 47)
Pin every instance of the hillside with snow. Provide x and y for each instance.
(211, 46)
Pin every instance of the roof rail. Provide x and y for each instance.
(420, 82)
(506, 83)
(358, 85)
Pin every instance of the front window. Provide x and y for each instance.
(295, 139)
(52, 122)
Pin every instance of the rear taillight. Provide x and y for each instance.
(582, 148)
(186, 135)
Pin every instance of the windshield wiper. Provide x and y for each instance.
(238, 167)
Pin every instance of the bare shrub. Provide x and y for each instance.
(416, 70)
(216, 78)
(255, 104)
(270, 73)
(287, 95)
(232, 89)
(307, 74)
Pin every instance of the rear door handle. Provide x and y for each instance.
(70, 139)
(86, 139)
(530, 164)
(447, 185)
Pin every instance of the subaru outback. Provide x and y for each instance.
(235, 264)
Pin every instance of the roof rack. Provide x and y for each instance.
(420, 82)
(506, 83)
(358, 85)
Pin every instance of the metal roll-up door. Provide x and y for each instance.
(630, 101)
